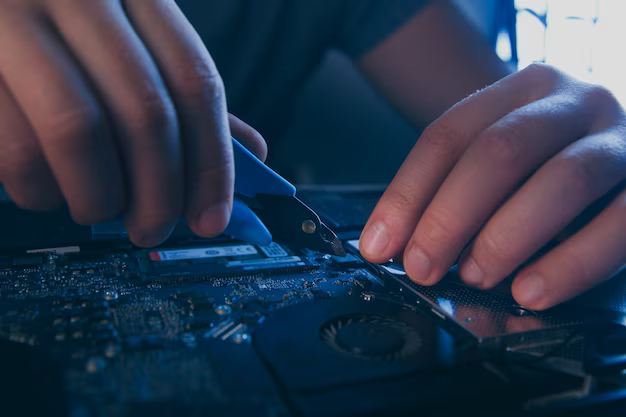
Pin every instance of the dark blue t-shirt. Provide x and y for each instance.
(265, 50)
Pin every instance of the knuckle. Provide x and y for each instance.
(440, 139)
(69, 128)
(579, 171)
(543, 75)
(504, 144)
(437, 227)
(494, 248)
(600, 97)
(150, 109)
(400, 196)
(200, 82)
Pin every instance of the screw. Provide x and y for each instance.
(308, 226)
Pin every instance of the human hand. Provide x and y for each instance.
(115, 107)
(500, 175)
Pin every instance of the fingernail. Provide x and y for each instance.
(471, 272)
(375, 239)
(214, 219)
(530, 289)
(418, 265)
(150, 238)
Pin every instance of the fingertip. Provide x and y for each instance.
(43, 194)
(212, 220)
(96, 212)
(389, 228)
(38, 203)
(529, 291)
(471, 273)
(148, 238)
(104, 201)
(419, 266)
(147, 230)
(374, 242)
(249, 137)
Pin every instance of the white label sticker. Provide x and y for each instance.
(200, 253)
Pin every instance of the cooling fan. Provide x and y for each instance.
(371, 337)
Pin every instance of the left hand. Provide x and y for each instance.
(499, 176)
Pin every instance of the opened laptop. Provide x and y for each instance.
(92, 326)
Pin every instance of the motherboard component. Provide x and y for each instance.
(221, 261)
(131, 328)
(222, 327)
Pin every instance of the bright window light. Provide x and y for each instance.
(582, 37)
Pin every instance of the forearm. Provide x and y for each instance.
(434, 61)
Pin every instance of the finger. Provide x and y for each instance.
(140, 109)
(393, 221)
(551, 199)
(496, 163)
(24, 171)
(249, 137)
(199, 95)
(65, 117)
(584, 260)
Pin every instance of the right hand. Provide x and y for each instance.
(115, 107)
